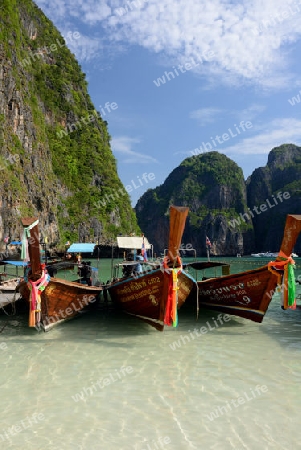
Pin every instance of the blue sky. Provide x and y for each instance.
(235, 71)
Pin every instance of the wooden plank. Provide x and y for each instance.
(27, 221)
(177, 220)
(291, 232)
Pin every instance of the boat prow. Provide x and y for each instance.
(248, 294)
(51, 300)
(150, 296)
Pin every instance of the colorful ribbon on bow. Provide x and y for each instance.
(26, 235)
(287, 265)
(36, 288)
(171, 313)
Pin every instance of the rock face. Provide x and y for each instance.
(223, 206)
(55, 158)
(278, 187)
(213, 188)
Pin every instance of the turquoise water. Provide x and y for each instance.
(109, 381)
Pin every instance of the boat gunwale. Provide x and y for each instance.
(75, 284)
(142, 275)
(237, 274)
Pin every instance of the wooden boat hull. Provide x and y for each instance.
(53, 300)
(154, 296)
(62, 300)
(247, 294)
(143, 296)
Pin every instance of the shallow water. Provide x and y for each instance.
(106, 380)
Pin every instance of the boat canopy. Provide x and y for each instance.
(16, 263)
(81, 248)
(202, 265)
(132, 242)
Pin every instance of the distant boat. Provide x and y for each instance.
(270, 255)
(264, 255)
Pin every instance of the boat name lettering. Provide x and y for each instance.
(124, 290)
(254, 282)
(132, 287)
(138, 285)
(143, 293)
(220, 298)
(153, 280)
(241, 292)
(128, 298)
(237, 286)
(222, 289)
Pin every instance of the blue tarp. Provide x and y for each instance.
(81, 248)
(15, 243)
(16, 263)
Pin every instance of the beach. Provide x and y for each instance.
(107, 380)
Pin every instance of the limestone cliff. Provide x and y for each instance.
(277, 189)
(55, 156)
(237, 216)
(213, 187)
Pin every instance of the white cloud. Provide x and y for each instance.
(272, 134)
(94, 11)
(249, 40)
(251, 112)
(206, 115)
(88, 11)
(85, 48)
(55, 8)
(124, 144)
(265, 137)
(186, 28)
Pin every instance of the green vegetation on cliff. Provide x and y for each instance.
(213, 187)
(202, 182)
(47, 118)
(281, 174)
(225, 207)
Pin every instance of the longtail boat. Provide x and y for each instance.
(248, 294)
(154, 295)
(51, 300)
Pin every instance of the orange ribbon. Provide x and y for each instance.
(171, 314)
